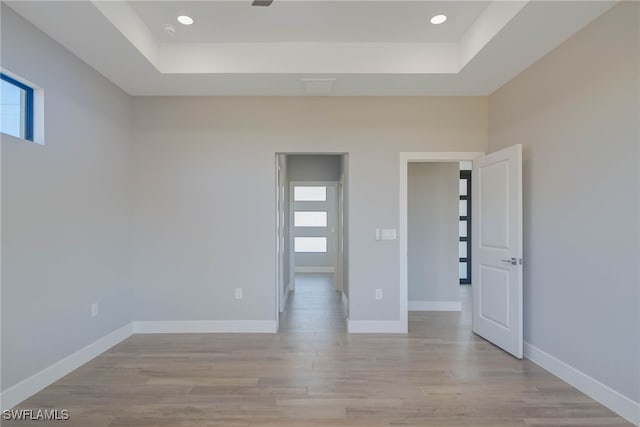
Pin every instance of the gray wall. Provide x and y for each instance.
(576, 112)
(313, 168)
(65, 209)
(204, 212)
(432, 215)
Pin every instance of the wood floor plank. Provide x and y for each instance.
(313, 374)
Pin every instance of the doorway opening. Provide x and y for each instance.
(430, 231)
(436, 236)
(312, 241)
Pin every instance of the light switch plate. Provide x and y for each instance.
(238, 293)
(388, 234)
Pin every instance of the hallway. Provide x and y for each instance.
(314, 305)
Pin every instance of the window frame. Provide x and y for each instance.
(466, 174)
(28, 106)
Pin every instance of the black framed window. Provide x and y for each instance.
(464, 244)
(16, 108)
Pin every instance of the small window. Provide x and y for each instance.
(311, 244)
(310, 194)
(463, 209)
(463, 187)
(463, 272)
(462, 250)
(462, 229)
(310, 219)
(16, 108)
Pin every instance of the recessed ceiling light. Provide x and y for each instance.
(185, 20)
(169, 29)
(438, 19)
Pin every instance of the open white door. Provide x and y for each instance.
(497, 248)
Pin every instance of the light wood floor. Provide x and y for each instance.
(314, 374)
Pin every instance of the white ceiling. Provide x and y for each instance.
(310, 21)
(369, 48)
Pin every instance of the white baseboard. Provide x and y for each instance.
(435, 306)
(315, 269)
(36, 382)
(603, 394)
(376, 327)
(205, 326)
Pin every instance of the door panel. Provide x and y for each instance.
(494, 209)
(497, 248)
(494, 295)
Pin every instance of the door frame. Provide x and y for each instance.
(279, 255)
(403, 241)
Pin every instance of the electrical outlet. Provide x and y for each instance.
(94, 309)
(378, 293)
(238, 293)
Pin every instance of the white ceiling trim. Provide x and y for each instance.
(490, 22)
(303, 58)
(127, 21)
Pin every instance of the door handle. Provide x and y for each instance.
(512, 261)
